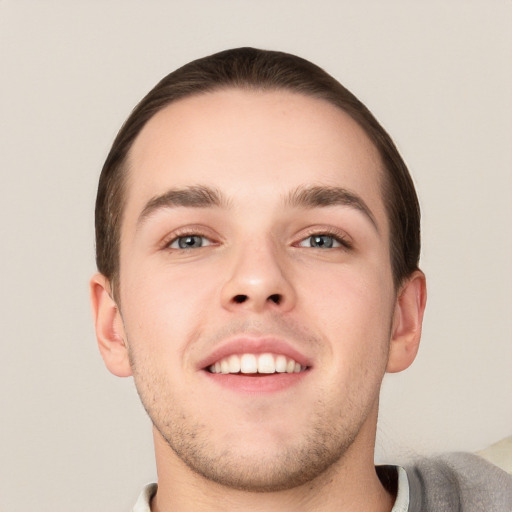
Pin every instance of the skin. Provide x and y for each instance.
(308, 446)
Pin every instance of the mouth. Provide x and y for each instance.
(256, 364)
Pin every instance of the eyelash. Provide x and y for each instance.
(338, 236)
(190, 232)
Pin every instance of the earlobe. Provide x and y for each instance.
(407, 322)
(109, 327)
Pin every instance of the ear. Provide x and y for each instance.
(407, 321)
(109, 327)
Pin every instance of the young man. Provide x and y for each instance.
(258, 244)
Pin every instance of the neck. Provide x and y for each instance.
(349, 484)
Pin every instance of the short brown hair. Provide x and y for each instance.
(249, 68)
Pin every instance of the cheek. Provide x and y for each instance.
(349, 293)
(164, 309)
(354, 311)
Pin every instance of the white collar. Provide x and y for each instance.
(402, 494)
(144, 499)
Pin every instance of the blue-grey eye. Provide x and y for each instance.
(189, 242)
(320, 242)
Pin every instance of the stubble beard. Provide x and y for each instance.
(331, 429)
(290, 465)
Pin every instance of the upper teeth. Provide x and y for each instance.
(260, 363)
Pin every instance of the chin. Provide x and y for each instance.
(255, 468)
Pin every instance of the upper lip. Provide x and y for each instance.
(254, 345)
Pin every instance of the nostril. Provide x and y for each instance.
(275, 298)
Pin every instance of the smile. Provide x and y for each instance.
(266, 363)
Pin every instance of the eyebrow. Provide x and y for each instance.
(197, 196)
(201, 196)
(324, 196)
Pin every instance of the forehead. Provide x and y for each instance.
(251, 143)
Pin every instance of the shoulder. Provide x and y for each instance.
(458, 482)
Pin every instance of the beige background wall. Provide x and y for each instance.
(437, 74)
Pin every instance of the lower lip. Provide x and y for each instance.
(257, 383)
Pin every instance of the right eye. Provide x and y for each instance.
(189, 242)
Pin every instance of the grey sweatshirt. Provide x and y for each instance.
(458, 482)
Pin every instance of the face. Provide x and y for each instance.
(255, 239)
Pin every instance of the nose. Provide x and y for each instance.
(258, 280)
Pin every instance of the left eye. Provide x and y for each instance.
(320, 242)
(189, 242)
